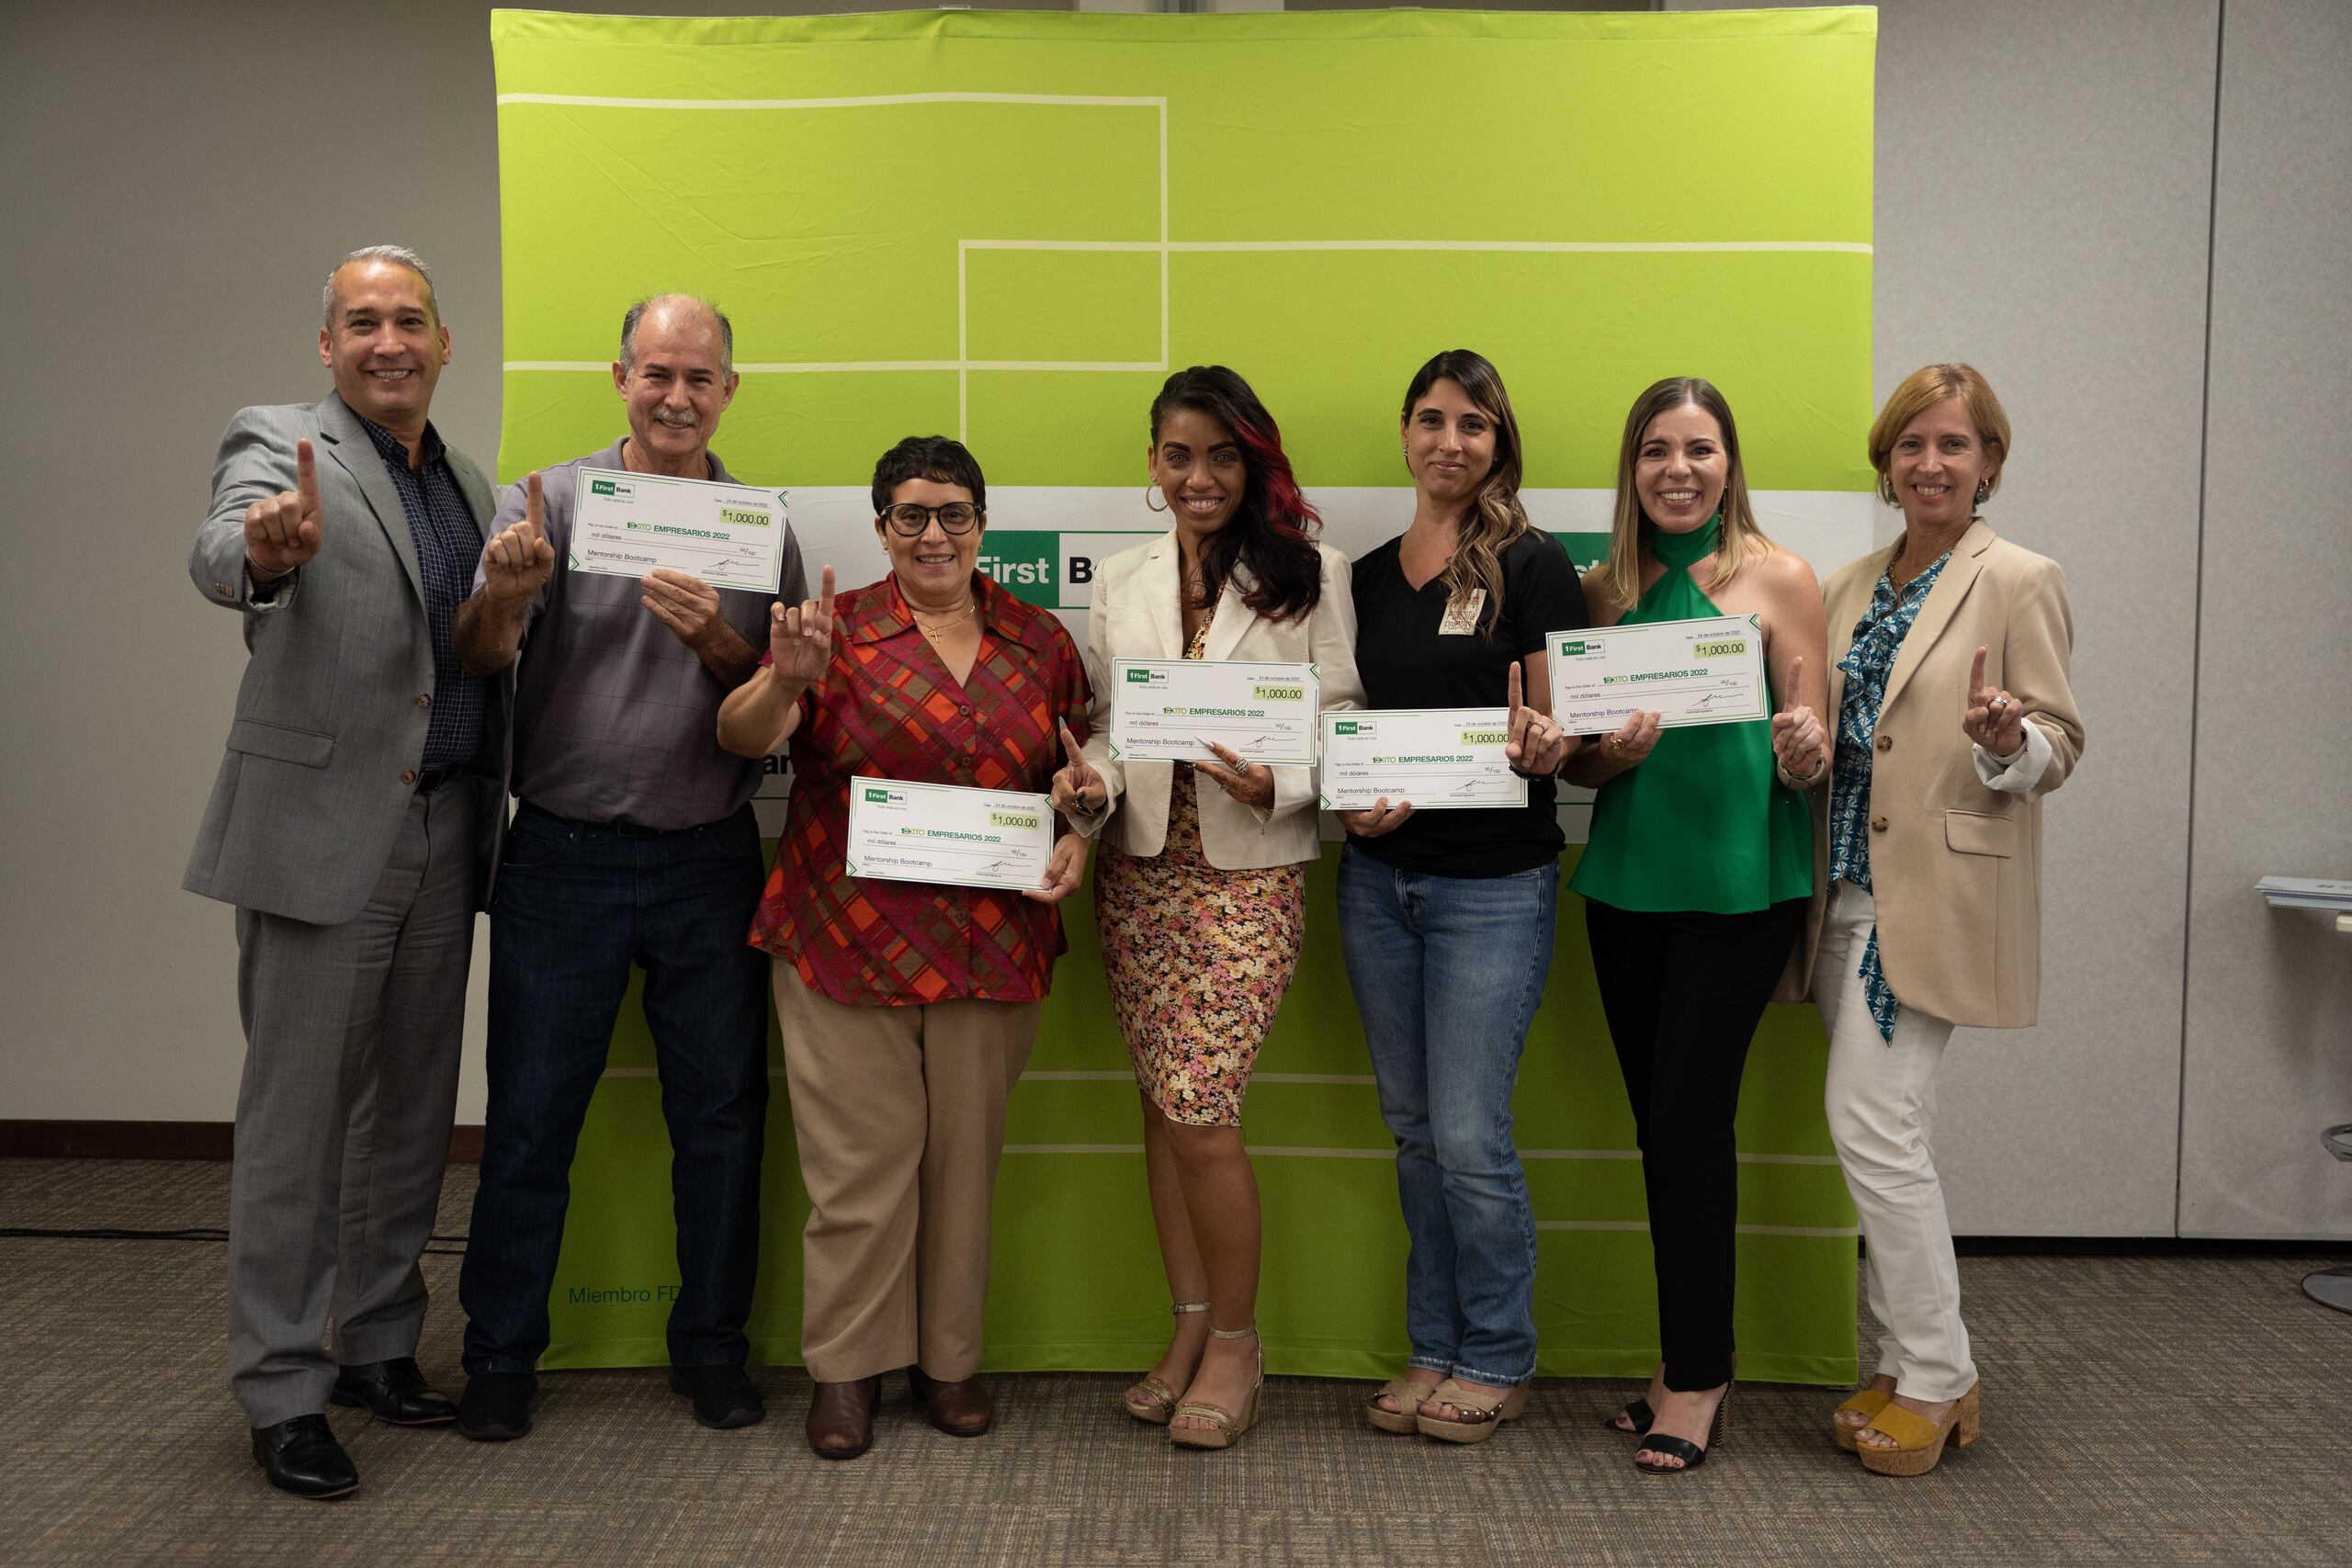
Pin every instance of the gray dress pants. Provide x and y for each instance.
(352, 1040)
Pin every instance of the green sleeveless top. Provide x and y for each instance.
(1703, 822)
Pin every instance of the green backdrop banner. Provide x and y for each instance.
(1010, 227)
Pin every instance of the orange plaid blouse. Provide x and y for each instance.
(888, 708)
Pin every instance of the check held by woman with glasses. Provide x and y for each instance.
(1446, 916)
(908, 1007)
(1696, 875)
(1955, 717)
(1200, 891)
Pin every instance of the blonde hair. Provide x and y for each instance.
(1618, 580)
(1495, 518)
(1923, 389)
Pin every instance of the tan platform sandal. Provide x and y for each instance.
(1920, 1442)
(1156, 1405)
(1869, 1402)
(1406, 1417)
(1481, 1412)
(1225, 1424)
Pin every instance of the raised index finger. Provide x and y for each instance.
(306, 475)
(1976, 674)
(1516, 690)
(533, 505)
(825, 592)
(1797, 683)
(1069, 741)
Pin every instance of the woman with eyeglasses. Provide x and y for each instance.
(1201, 894)
(908, 1009)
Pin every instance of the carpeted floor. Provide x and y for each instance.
(2139, 1410)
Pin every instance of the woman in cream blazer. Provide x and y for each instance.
(1953, 718)
(1200, 891)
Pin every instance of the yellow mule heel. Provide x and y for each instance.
(1869, 1402)
(1920, 1442)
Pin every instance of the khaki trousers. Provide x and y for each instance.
(1881, 1096)
(899, 1113)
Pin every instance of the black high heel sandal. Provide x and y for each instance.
(1692, 1455)
(1636, 1412)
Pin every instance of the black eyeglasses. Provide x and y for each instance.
(909, 521)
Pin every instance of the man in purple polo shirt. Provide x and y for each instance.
(634, 844)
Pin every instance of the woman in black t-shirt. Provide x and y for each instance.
(1446, 918)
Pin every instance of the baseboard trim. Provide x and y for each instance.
(22, 1139)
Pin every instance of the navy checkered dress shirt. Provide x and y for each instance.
(449, 544)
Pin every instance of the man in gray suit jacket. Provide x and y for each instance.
(354, 826)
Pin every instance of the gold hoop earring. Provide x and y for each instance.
(1148, 492)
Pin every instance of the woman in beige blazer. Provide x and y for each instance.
(1949, 656)
(1200, 892)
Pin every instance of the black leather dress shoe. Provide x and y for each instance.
(723, 1396)
(496, 1406)
(394, 1391)
(302, 1457)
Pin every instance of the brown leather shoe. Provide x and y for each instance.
(960, 1409)
(840, 1417)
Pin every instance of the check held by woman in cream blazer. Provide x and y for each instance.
(1135, 615)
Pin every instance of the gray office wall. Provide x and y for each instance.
(2270, 995)
(179, 177)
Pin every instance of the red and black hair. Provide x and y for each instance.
(1271, 536)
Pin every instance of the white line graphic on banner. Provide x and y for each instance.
(963, 364)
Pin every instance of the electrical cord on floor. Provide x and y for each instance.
(190, 1233)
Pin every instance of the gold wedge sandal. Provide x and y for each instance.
(1226, 1425)
(1481, 1412)
(1920, 1442)
(1153, 1400)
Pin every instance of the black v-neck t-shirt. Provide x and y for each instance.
(1407, 663)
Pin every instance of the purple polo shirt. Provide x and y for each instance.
(615, 720)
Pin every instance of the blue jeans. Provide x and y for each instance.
(1447, 971)
(577, 906)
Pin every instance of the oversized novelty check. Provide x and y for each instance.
(627, 524)
(1436, 758)
(1709, 670)
(945, 833)
(1165, 709)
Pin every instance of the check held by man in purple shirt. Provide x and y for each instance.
(633, 845)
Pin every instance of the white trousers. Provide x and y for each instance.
(1881, 1098)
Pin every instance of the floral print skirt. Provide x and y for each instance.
(1198, 959)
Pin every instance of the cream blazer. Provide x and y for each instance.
(1135, 615)
(1956, 864)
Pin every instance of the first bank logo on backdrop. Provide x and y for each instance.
(1054, 570)
(1050, 569)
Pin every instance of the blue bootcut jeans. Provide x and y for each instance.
(577, 906)
(1447, 972)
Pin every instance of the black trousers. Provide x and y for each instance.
(1683, 994)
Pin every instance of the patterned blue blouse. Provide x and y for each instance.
(1878, 638)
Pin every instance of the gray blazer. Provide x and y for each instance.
(310, 794)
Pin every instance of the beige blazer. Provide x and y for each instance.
(1955, 866)
(1135, 615)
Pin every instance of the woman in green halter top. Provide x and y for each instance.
(1698, 873)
